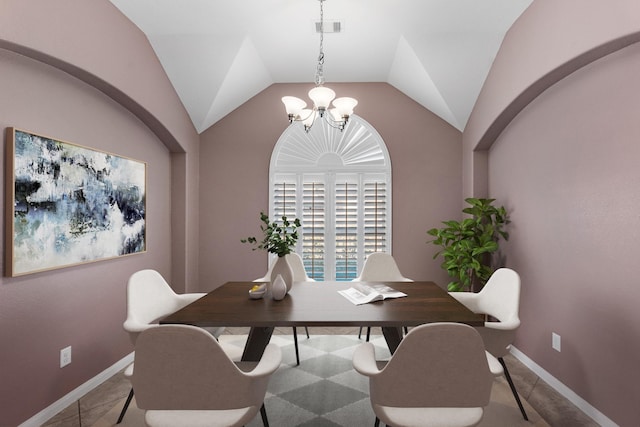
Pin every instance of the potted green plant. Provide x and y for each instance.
(467, 245)
(280, 239)
(277, 238)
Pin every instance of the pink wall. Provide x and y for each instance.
(567, 167)
(578, 27)
(80, 306)
(549, 41)
(87, 75)
(111, 54)
(95, 43)
(562, 136)
(235, 153)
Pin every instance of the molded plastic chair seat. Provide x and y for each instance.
(197, 418)
(439, 376)
(183, 377)
(431, 417)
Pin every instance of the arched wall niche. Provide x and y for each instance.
(115, 57)
(112, 55)
(529, 61)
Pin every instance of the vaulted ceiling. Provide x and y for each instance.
(219, 54)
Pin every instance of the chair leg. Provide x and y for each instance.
(368, 333)
(295, 342)
(513, 388)
(306, 330)
(263, 413)
(125, 407)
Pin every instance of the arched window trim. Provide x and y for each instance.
(357, 155)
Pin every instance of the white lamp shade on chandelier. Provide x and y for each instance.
(321, 97)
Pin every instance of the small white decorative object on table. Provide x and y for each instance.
(258, 291)
(282, 268)
(278, 288)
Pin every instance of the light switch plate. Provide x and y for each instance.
(556, 342)
(65, 356)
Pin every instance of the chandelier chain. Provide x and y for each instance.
(320, 67)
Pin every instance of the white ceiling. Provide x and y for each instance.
(219, 54)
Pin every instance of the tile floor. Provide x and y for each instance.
(555, 409)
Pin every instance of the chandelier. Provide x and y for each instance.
(338, 116)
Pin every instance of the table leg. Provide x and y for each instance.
(256, 343)
(393, 336)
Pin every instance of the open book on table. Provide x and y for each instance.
(361, 293)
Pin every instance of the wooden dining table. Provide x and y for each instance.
(319, 304)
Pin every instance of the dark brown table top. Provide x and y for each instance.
(320, 304)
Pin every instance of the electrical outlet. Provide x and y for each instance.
(65, 356)
(556, 341)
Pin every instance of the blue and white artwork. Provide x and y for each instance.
(72, 204)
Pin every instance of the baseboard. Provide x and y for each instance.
(73, 396)
(565, 391)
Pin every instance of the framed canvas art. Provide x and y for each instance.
(67, 204)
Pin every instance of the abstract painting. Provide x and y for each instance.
(67, 204)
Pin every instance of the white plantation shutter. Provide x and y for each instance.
(346, 230)
(339, 185)
(313, 232)
(284, 201)
(375, 217)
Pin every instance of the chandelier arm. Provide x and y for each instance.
(338, 125)
(302, 119)
(307, 128)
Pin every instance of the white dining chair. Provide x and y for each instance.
(499, 301)
(149, 298)
(439, 376)
(183, 378)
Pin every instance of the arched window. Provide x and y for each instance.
(339, 185)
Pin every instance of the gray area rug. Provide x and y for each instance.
(325, 390)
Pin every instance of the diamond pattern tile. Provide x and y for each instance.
(323, 390)
(323, 396)
(326, 366)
